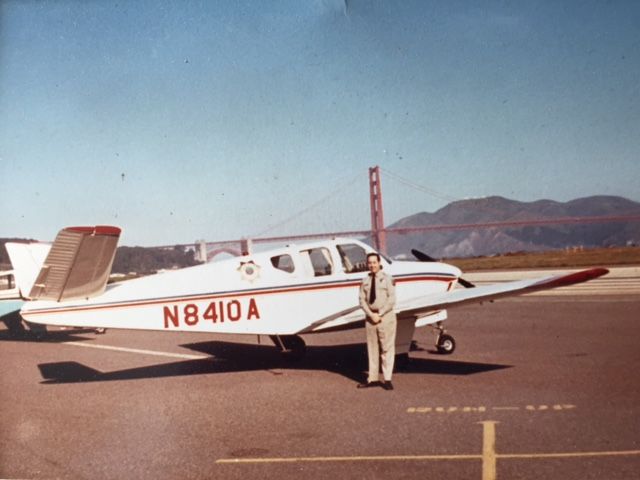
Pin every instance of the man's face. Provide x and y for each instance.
(373, 264)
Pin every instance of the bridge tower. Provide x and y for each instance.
(377, 221)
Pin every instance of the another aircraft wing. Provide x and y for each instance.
(424, 305)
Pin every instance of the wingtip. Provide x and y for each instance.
(573, 278)
(598, 272)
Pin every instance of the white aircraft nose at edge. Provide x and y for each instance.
(285, 292)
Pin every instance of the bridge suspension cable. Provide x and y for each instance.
(421, 188)
(305, 210)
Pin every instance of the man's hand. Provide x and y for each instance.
(375, 319)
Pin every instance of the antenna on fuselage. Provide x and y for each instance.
(245, 246)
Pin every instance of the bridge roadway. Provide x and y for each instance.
(539, 387)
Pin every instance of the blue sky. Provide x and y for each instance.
(185, 120)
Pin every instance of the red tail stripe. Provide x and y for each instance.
(97, 230)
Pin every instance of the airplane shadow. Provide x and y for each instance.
(348, 360)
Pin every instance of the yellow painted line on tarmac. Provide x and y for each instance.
(620, 453)
(488, 450)
(453, 409)
(136, 350)
(357, 458)
(481, 409)
(489, 455)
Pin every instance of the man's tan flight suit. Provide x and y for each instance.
(381, 338)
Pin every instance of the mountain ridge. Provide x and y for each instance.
(527, 238)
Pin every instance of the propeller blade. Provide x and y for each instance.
(423, 257)
(465, 283)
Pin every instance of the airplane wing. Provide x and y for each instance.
(431, 304)
(424, 305)
(345, 319)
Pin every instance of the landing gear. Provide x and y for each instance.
(402, 362)
(39, 331)
(292, 347)
(445, 343)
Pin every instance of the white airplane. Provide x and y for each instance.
(282, 293)
(10, 300)
(8, 288)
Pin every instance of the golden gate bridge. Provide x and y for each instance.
(206, 251)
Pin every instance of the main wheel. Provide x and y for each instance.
(446, 344)
(295, 348)
(402, 361)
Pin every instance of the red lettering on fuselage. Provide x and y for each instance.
(190, 314)
(171, 315)
(215, 312)
(253, 309)
(233, 310)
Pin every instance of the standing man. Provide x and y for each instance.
(377, 299)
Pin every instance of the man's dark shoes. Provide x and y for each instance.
(387, 385)
(368, 384)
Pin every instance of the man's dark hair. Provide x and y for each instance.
(373, 254)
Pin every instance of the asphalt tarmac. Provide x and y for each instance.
(538, 387)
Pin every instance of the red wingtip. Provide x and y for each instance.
(577, 277)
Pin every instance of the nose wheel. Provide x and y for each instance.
(445, 343)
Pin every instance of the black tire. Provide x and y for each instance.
(402, 362)
(446, 344)
(37, 330)
(295, 347)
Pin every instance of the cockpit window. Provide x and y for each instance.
(354, 257)
(283, 262)
(320, 261)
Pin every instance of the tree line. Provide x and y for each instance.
(141, 260)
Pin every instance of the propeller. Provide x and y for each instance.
(465, 283)
(423, 257)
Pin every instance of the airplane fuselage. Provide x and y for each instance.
(291, 290)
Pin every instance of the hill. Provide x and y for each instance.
(492, 241)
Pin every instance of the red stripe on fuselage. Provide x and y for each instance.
(241, 293)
